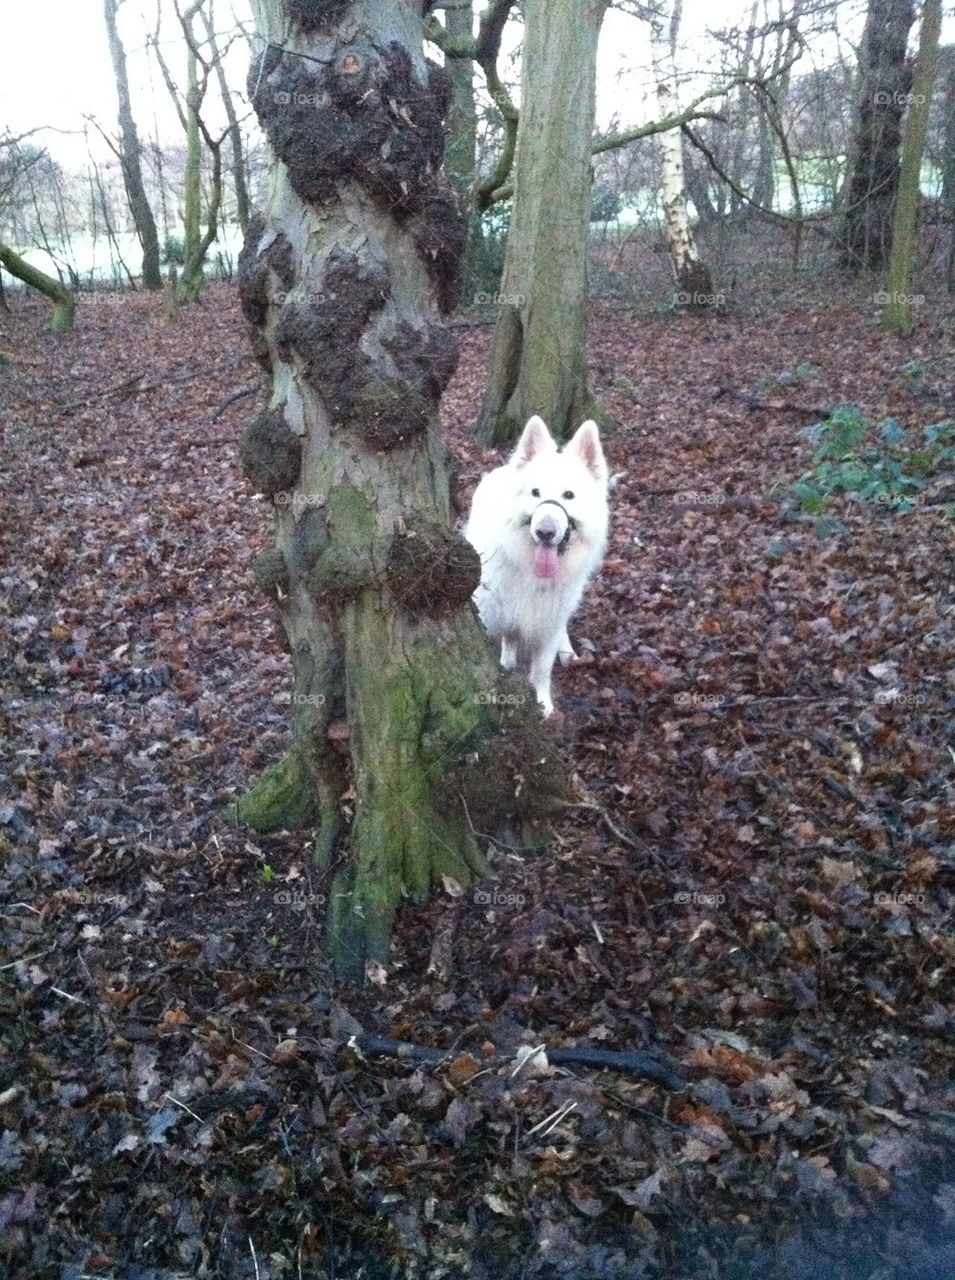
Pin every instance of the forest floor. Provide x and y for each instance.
(757, 879)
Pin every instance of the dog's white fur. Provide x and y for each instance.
(542, 497)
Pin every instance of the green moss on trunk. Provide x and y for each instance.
(413, 706)
(282, 798)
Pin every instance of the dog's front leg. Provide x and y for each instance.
(508, 654)
(542, 664)
(565, 650)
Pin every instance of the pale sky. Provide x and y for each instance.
(73, 76)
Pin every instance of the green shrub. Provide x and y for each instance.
(854, 458)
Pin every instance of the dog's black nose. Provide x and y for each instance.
(546, 533)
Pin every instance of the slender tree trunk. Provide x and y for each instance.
(462, 118)
(736, 157)
(131, 156)
(190, 285)
(948, 163)
(764, 184)
(698, 190)
(64, 304)
(897, 315)
(243, 205)
(694, 285)
(885, 79)
(461, 154)
(539, 354)
(400, 740)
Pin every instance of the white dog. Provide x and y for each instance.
(539, 524)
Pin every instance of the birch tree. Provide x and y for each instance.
(403, 743)
(694, 285)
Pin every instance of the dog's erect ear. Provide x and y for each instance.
(535, 440)
(587, 447)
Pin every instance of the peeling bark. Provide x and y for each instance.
(693, 283)
(344, 282)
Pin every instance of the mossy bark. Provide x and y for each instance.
(897, 316)
(190, 284)
(282, 797)
(64, 304)
(345, 281)
(539, 353)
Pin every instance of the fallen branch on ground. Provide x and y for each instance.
(633, 1062)
(754, 403)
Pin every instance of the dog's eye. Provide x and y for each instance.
(568, 495)
(535, 493)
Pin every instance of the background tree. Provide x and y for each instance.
(694, 284)
(539, 354)
(462, 119)
(464, 49)
(897, 315)
(15, 163)
(885, 79)
(240, 182)
(64, 304)
(130, 154)
(398, 742)
(196, 240)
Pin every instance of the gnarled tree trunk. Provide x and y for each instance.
(399, 738)
(539, 354)
(884, 82)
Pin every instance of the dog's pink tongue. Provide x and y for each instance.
(545, 561)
